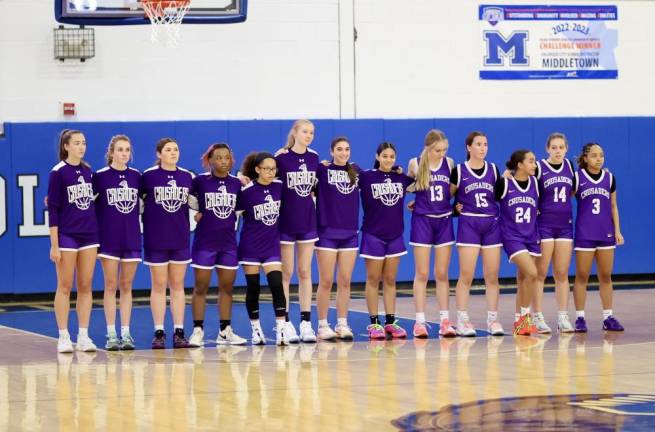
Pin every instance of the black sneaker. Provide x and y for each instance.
(179, 341)
(159, 341)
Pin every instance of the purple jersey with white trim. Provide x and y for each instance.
(555, 187)
(436, 199)
(383, 196)
(166, 208)
(298, 175)
(70, 199)
(518, 211)
(117, 208)
(337, 200)
(261, 217)
(594, 217)
(476, 193)
(217, 201)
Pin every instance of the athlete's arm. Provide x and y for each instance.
(55, 253)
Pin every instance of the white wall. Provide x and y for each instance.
(295, 58)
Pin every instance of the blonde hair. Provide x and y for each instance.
(423, 173)
(112, 143)
(291, 139)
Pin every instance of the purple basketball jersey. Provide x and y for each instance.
(166, 210)
(217, 200)
(594, 217)
(383, 201)
(518, 211)
(260, 233)
(117, 208)
(555, 188)
(436, 199)
(476, 193)
(337, 200)
(298, 175)
(70, 199)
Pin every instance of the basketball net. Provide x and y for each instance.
(166, 18)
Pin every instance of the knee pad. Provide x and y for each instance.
(274, 279)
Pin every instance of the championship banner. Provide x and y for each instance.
(524, 42)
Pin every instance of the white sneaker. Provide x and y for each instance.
(281, 337)
(344, 332)
(64, 344)
(197, 338)
(258, 337)
(542, 327)
(495, 328)
(564, 325)
(465, 328)
(228, 337)
(290, 331)
(307, 332)
(326, 333)
(85, 344)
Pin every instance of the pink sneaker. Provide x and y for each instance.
(395, 331)
(446, 329)
(420, 330)
(376, 332)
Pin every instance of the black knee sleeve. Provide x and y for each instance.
(252, 295)
(274, 279)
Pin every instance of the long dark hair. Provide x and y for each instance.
(469, 141)
(382, 147)
(350, 169)
(582, 163)
(253, 160)
(160, 146)
(210, 150)
(517, 157)
(64, 138)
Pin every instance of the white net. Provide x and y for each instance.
(166, 18)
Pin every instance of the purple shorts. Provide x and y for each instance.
(514, 247)
(309, 237)
(593, 245)
(260, 260)
(429, 231)
(124, 255)
(336, 239)
(477, 231)
(166, 256)
(207, 260)
(375, 248)
(78, 242)
(548, 234)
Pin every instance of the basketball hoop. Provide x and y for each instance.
(166, 17)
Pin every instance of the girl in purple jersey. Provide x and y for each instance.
(337, 202)
(597, 233)
(117, 208)
(519, 197)
(215, 243)
(165, 190)
(556, 185)
(297, 165)
(432, 226)
(382, 194)
(73, 237)
(478, 231)
(259, 244)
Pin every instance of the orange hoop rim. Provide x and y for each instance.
(167, 3)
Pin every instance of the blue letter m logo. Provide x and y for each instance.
(498, 48)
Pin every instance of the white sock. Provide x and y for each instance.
(178, 326)
(420, 317)
(159, 327)
(517, 316)
(492, 316)
(255, 324)
(538, 316)
(279, 323)
(125, 330)
(342, 321)
(111, 330)
(63, 333)
(579, 314)
(444, 315)
(323, 323)
(462, 316)
(563, 314)
(83, 332)
(525, 310)
(607, 313)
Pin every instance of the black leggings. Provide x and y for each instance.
(274, 279)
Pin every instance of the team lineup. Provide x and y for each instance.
(291, 204)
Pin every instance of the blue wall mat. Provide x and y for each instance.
(31, 150)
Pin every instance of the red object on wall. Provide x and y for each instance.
(69, 108)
